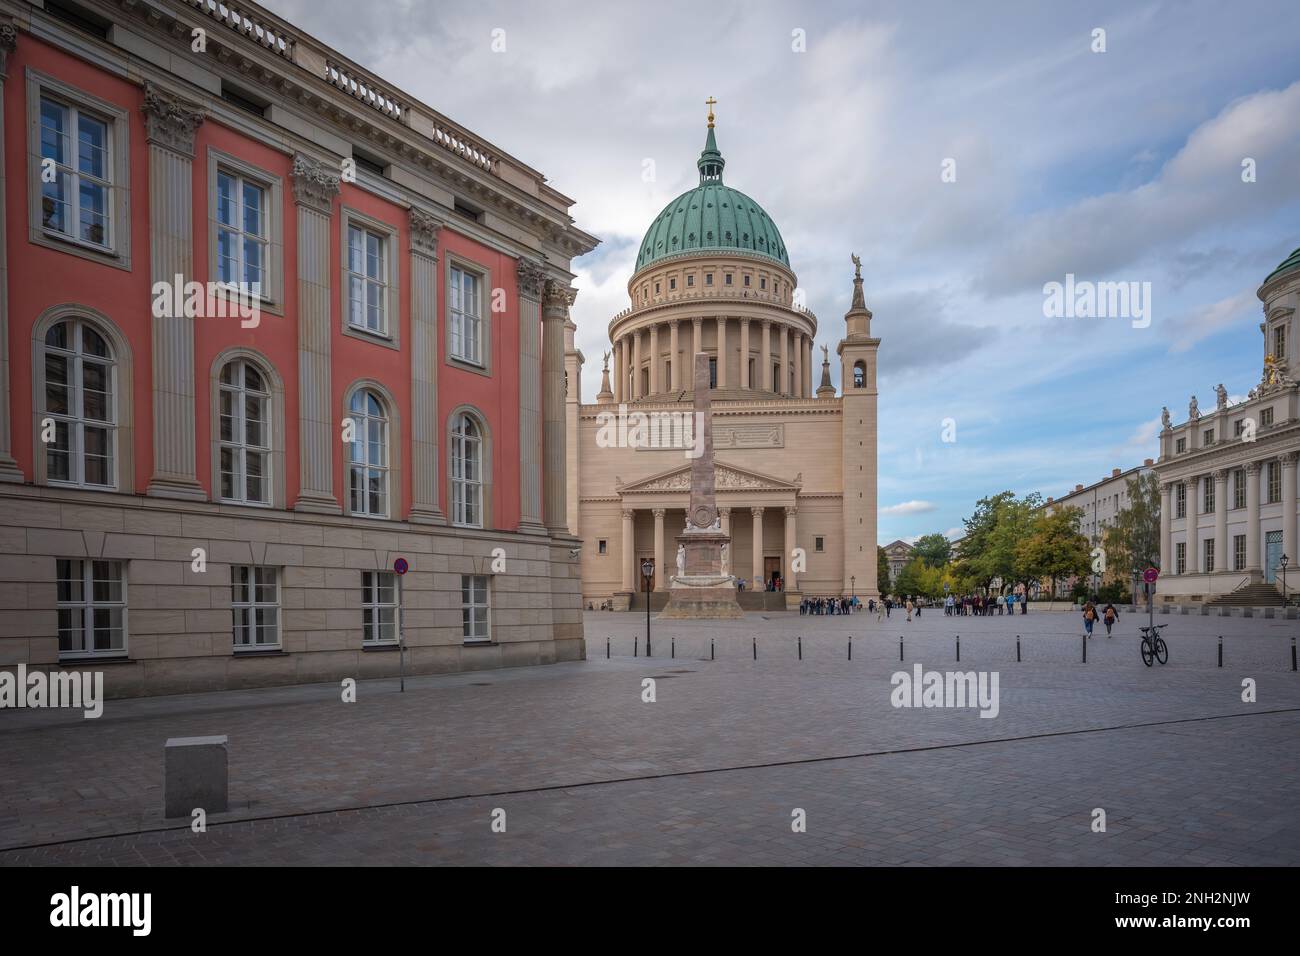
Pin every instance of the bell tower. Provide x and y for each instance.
(857, 352)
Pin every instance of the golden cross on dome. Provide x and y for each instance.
(710, 103)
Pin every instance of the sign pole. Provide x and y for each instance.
(400, 567)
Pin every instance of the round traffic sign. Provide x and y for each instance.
(1150, 575)
(400, 566)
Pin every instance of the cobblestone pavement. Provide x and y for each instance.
(711, 772)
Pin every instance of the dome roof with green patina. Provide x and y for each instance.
(712, 217)
(1290, 264)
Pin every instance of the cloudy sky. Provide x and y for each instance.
(1123, 165)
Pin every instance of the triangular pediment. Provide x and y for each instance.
(725, 478)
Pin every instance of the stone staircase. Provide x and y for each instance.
(1249, 595)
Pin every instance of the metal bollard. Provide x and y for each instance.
(755, 640)
(1220, 650)
(958, 648)
(635, 642)
(711, 657)
(1017, 648)
(1085, 648)
(850, 647)
(673, 651)
(1293, 652)
(900, 647)
(607, 647)
(800, 647)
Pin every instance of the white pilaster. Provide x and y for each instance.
(757, 515)
(425, 474)
(531, 279)
(557, 298)
(661, 568)
(1254, 562)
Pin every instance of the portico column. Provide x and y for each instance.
(531, 278)
(798, 366)
(697, 339)
(170, 124)
(757, 514)
(1221, 560)
(722, 351)
(787, 560)
(1288, 505)
(744, 353)
(555, 312)
(1254, 564)
(636, 365)
(425, 473)
(654, 359)
(619, 387)
(661, 569)
(629, 552)
(1166, 528)
(315, 185)
(674, 344)
(763, 362)
(807, 365)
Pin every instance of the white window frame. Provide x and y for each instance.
(270, 296)
(468, 625)
(240, 447)
(245, 614)
(1180, 557)
(361, 421)
(116, 251)
(1238, 552)
(1208, 556)
(366, 281)
(389, 334)
(458, 315)
(371, 602)
(241, 234)
(463, 488)
(75, 418)
(86, 607)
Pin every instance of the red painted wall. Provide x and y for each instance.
(42, 277)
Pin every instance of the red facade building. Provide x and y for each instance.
(268, 325)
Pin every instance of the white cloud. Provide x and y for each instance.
(910, 508)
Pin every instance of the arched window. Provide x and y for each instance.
(467, 471)
(859, 375)
(80, 404)
(244, 413)
(369, 455)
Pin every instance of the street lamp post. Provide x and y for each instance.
(853, 584)
(647, 567)
(1285, 562)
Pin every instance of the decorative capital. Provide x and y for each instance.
(658, 512)
(629, 514)
(169, 120)
(425, 227)
(1220, 475)
(756, 512)
(1253, 467)
(532, 278)
(725, 512)
(1289, 459)
(8, 43)
(558, 297)
(791, 511)
(314, 184)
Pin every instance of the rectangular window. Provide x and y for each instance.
(1239, 488)
(367, 280)
(762, 282)
(708, 278)
(91, 598)
(245, 434)
(819, 543)
(255, 607)
(1208, 545)
(1239, 552)
(243, 234)
(1207, 436)
(1237, 426)
(1274, 482)
(1180, 446)
(1265, 417)
(727, 279)
(76, 193)
(466, 319)
(672, 285)
(1180, 500)
(1208, 495)
(746, 281)
(713, 372)
(378, 608)
(690, 281)
(602, 547)
(1180, 557)
(474, 607)
(1279, 342)
(656, 288)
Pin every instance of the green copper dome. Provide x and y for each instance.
(711, 218)
(1290, 264)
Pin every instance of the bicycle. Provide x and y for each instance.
(1153, 645)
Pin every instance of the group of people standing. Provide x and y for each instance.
(829, 605)
(979, 605)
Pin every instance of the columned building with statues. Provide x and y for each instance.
(1227, 474)
(795, 471)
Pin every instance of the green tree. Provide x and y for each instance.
(882, 571)
(975, 558)
(934, 549)
(1054, 548)
(1132, 543)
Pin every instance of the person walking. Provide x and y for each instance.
(1089, 617)
(909, 609)
(1109, 616)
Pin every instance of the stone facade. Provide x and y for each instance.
(1228, 474)
(224, 542)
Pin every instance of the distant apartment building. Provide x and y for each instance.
(1099, 504)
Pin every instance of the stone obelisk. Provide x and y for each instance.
(702, 589)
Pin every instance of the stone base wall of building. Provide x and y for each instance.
(178, 609)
